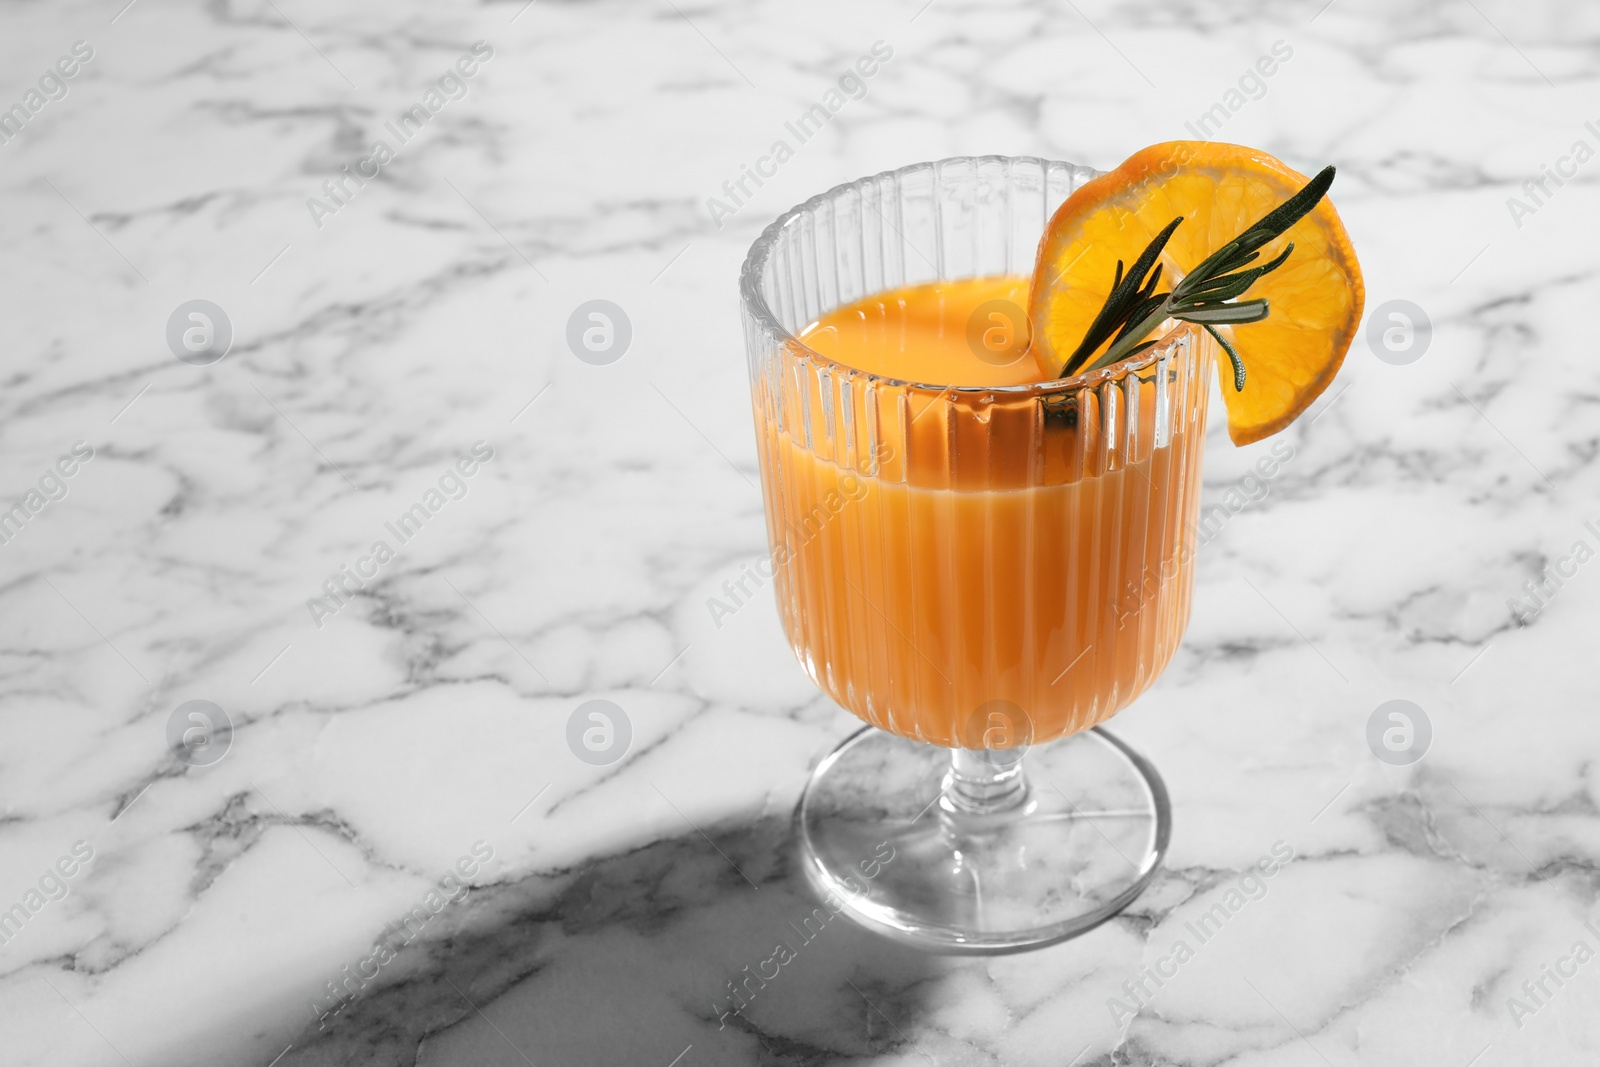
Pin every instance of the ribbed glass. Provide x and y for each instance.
(971, 567)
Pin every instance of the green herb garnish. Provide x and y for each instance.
(1208, 295)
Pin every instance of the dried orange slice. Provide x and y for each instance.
(1220, 189)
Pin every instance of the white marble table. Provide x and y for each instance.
(417, 721)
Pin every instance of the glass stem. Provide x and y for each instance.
(984, 781)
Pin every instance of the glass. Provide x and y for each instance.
(975, 572)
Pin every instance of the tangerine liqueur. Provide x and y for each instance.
(969, 332)
(981, 577)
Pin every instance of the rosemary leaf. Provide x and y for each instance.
(1239, 311)
(1128, 293)
(1207, 295)
(1233, 357)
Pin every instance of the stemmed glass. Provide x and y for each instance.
(978, 573)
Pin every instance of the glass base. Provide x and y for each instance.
(960, 851)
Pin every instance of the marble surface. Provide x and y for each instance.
(402, 752)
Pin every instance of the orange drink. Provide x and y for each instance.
(999, 568)
(980, 390)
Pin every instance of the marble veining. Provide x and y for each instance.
(1421, 542)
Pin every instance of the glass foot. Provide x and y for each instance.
(956, 850)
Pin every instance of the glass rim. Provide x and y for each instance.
(755, 301)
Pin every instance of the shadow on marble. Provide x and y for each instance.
(628, 960)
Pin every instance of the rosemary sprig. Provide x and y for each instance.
(1208, 295)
